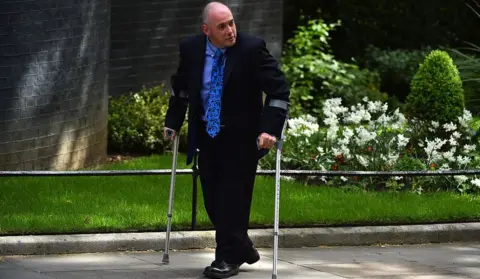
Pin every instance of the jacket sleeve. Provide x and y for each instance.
(178, 102)
(273, 83)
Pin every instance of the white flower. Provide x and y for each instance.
(456, 135)
(333, 107)
(347, 135)
(345, 151)
(343, 178)
(320, 150)
(384, 107)
(331, 121)
(384, 119)
(449, 156)
(449, 127)
(463, 160)
(402, 141)
(400, 119)
(332, 132)
(374, 106)
(392, 158)
(444, 166)
(465, 118)
(303, 126)
(362, 160)
(355, 117)
(398, 177)
(453, 142)
(469, 148)
(336, 151)
(435, 124)
(432, 147)
(343, 141)
(476, 182)
(364, 136)
(460, 179)
(383, 157)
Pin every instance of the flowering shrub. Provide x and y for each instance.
(367, 137)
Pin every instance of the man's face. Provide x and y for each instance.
(221, 28)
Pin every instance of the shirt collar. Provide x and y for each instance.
(211, 49)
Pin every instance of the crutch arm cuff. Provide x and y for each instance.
(274, 116)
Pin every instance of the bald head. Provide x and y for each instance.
(218, 25)
(213, 9)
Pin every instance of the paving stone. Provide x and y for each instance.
(8, 273)
(80, 262)
(436, 261)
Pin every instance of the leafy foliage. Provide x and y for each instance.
(407, 24)
(314, 74)
(136, 121)
(468, 62)
(396, 67)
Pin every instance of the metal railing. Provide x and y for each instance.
(195, 174)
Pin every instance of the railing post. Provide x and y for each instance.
(195, 174)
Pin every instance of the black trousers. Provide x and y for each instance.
(227, 165)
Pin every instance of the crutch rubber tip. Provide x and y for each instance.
(166, 259)
(274, 276)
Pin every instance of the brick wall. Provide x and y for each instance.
(53, 83)
(56, 68)
(145, 34)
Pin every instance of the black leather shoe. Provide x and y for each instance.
(252, 256)
(221, 269)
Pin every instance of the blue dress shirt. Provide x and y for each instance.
(207, 73)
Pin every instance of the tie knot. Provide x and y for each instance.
(218, 54)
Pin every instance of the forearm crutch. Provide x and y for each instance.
(166, 258)
(279, 146)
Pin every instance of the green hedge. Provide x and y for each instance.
(136, 120)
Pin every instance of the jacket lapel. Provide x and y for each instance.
(231, 55)
(199, 61)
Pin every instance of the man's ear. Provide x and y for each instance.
(205, 30)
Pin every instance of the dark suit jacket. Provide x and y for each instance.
(249, 71)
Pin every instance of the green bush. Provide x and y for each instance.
(136, 120)
(315, 75)
(436, 90)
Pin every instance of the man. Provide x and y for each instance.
(221, 77)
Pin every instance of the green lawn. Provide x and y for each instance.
(139, 203)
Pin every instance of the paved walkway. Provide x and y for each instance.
(424, 261)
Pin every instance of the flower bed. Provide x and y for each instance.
(368, 137)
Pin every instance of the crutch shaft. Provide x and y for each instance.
(279, 147)
(277, 212)
(166, 258)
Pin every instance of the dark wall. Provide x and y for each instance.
(145, 35)
(53, 83)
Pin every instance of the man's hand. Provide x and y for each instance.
(266, 141)
(169, 133)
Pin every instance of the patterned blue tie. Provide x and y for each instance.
(214, 97)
